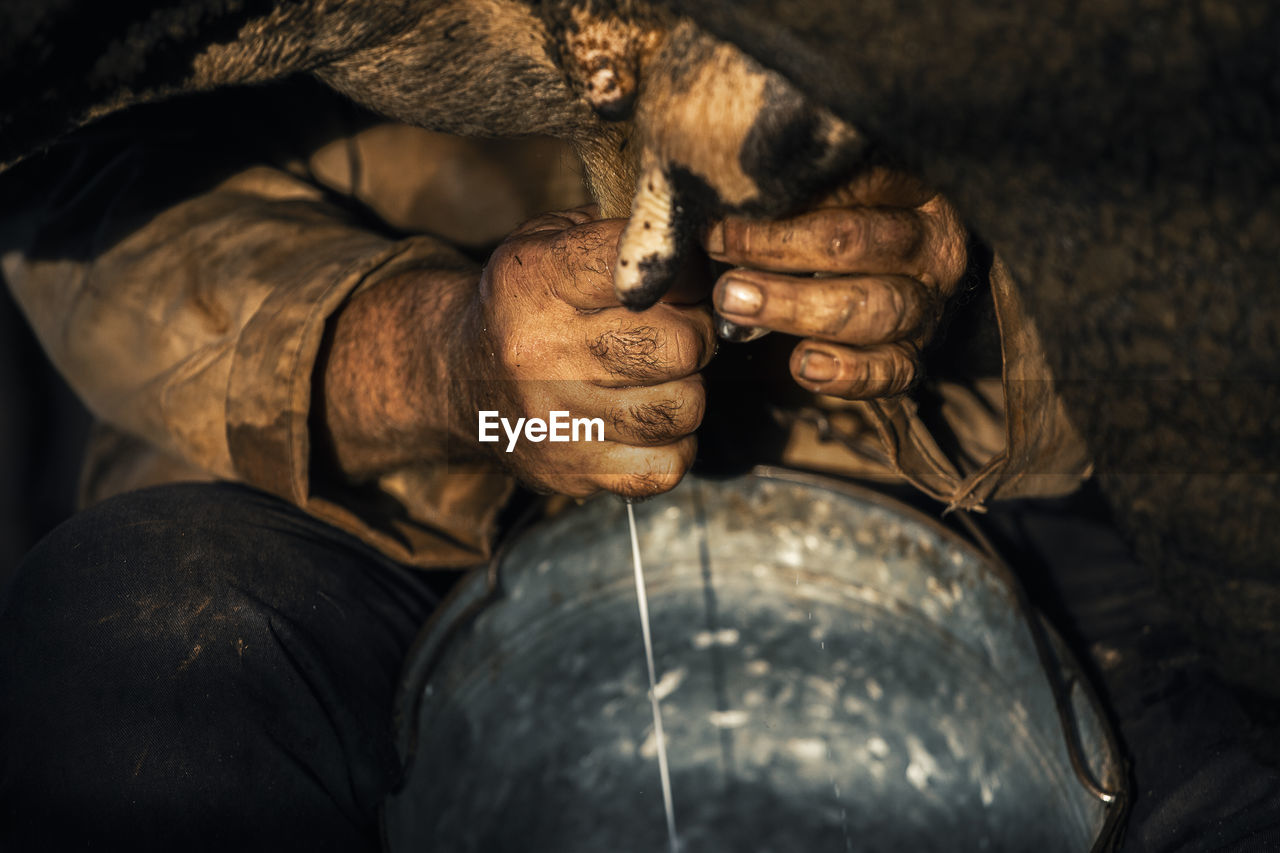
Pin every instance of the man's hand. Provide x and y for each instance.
(555, 338)
(412, 361)
(887, 255)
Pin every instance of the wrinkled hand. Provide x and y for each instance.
(887, 253)
(556, 339)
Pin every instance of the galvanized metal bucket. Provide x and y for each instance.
(837, 673)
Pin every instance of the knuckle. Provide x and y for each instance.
(847, 239)
(870, 375)
(877, 311)
(906, 372)
(655, 422)
(862, 378)
(659, 422)
(629, 352)
(585, 249)
(890, 374)
(833, 315)
(690, 412)
(654, 351)
(886, 309)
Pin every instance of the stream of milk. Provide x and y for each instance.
(653, 683)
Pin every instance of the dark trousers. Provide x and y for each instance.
(200, 667)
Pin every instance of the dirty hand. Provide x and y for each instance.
(888, 254)
(553, 337)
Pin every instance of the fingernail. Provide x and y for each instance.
(741, 298)
(818, 366)
(715, 239)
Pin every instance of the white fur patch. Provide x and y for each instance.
(650, 231)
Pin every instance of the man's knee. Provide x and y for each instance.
(123, 618)
(150, 581)
(159, 650)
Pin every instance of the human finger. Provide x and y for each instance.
(641, 472)
(644, 416)
(855, 374)
(834, 240)
(570, 263)
(661, 344)
(861, 310)
(623, 469)
(580, 264)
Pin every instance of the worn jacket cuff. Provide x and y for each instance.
(1043, 455)
(425, 516)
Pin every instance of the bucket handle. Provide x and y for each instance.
(1060, 686)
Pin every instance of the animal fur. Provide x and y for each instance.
(718, 133)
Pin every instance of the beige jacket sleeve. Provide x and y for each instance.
(195, 326)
